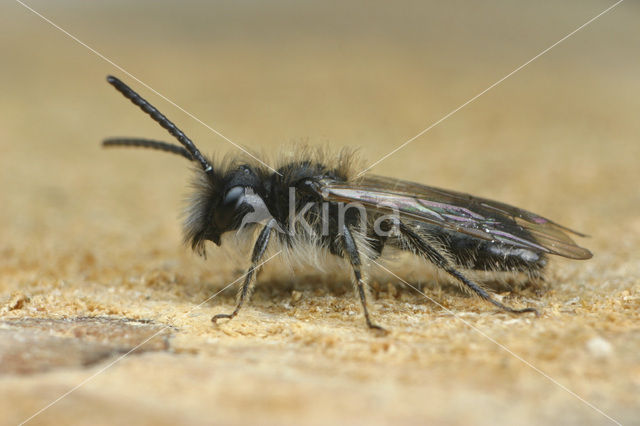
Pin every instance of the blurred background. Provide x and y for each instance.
(366, 75)
(560, 137)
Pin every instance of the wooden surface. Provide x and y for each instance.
(91, 261)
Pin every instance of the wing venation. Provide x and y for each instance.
(474, 216)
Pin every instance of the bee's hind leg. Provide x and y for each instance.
(258, 251)
(422, 248)
(351, 252)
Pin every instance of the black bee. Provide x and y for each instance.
(318, 203)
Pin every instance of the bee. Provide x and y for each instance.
(316, 203)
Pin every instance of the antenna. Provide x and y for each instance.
(148, 143)
(159, 118)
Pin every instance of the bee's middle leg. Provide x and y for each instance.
(351, 251)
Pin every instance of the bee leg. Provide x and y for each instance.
(351, 250)
(421, 247)
(258, 251)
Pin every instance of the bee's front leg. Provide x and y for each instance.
(258, 251)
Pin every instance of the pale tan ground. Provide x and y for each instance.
(91, 233)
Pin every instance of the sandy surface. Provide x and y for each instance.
(91, 261)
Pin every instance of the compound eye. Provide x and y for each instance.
(233, 197)
(225, 214)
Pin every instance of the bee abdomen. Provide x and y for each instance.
(483, 255)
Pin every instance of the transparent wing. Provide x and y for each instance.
(477, 217)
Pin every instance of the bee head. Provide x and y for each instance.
(222, 204)
(221, 200)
